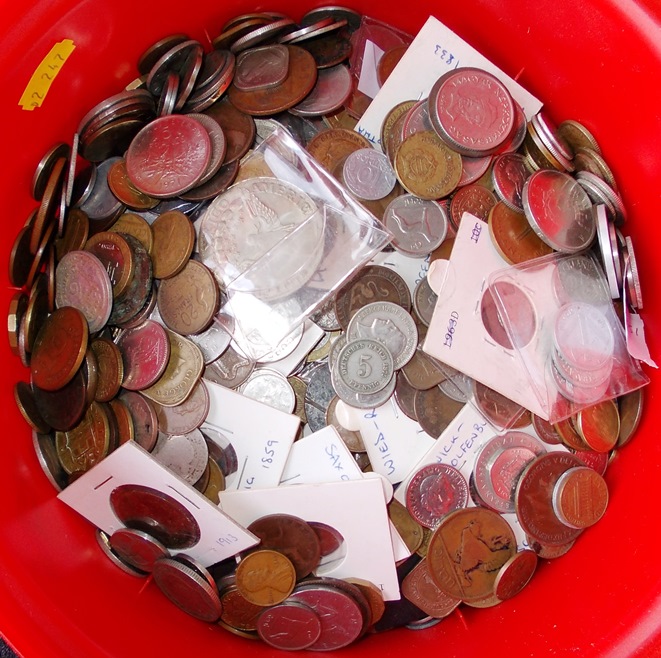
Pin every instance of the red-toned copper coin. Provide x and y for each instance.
(515, 574)
(599, 425)
(145, 421)
(569, 436)
(168, 156)
(330, 539)
(116, 257)
(434, 491)
(187, 416)
(174, 239)
(499, 410)
(59, 349)
(474, 199)
(20, 258)
(289, 626)
(138, 548)
(124, 420)
(580, 497)
(145, 352)
(156, 513)
(545, 430)
(597, 461)
(27, 405)
(331, 147)
(290, 536)
(467, 550)
(238, 612)
(534, 499)
(388, 61)
(238, 128)
(121, 186)
(215, 185)
(420, 589)
(111, 368)
(521, 319)
(64, 408)
(76, 232)
(435, 410)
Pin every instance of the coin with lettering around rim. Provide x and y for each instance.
(136, 226)
(145, 353)
(332, 146)
(368, 175)
(122, 187)
(420, 589)
(289, 626)
(365, 366)
(577, 135)
(117, 258)
(515, 574)
(59, 348)
(580, 497)
(474, 199)
(265, 577)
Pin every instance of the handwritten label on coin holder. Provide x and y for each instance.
(584, 285)
(260, 435)
(457, 335)
(435, 50)
(393, 441)
(364, 525)
(220, 536)
(280, 271)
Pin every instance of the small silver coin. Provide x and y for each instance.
(367, 173)
(186, 455)
(270, 387)
(364, 366)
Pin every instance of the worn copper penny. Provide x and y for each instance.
(434, 491)
(265, 577)
(631, 410)
(330, 539)
(238, 128)
(174, 238)
(291, 536)
(405, 395)
(111, 369)
(168, 156)
(64, 408)
(599, 425)
(187, 416)
(534, 499)
(300, 79)
(136, 226)
(145, 421)
(289, 626)
(122, 187)
(124, 420)
(116, 256)
(156, 513)
(580, 497)
(474, 199)
(515, 574)
(420, 589)
(498, 409)
(467, 550)
(330, 147)
(59, 348)
(569, 436)
(435, 410)
(189, 300)
(49, 204)
(87, 443)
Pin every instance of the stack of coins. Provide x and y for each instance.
(118, 319)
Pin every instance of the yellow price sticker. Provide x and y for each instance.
(41, 80)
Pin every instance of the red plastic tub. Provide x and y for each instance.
(598, 61)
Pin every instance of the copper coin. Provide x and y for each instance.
(85, 444)
(187, 589)
(116, 257)
(631, 411)
(49, 204)
(300, 80)
(111, 368)
(435, 410)
(513, 236)
(474, 199)
(122, 187)
(238, 612)
(507, 313)
(150, 56)
(138, 548)
(548, 552)
(238, 128)
(352, 440)
(534, 499)
(405, 396)
(36, 311)
(388, 61)
(329, 49)
(423, 372)
(420, 589)
(111, 139)
(265, 577)
(45, 167)
(515, 574)
(136, 226)
(76, 232)
(289, 626)
(467, 550)
(597, 461)
(43, 251)
(83, 282)
(599, 425)
(408, 528)
(174, 238)
(27, 405)
(545, 430)
(168, 156)
(374, 283)
(434, 491)
(215, 185)
(64, 408)
(44, 446)
(189, 300)
(261, 68)
(59, 349)
(145, 352)
(580, 497)
(145, 421)
(125, 427)
(20, 259)
(291, 536)
(498, 409)
(333, 86)
(374, 598)
(187, 416)
(215, 483)
(156, 513)
(569, 436)
(330, 539)
(331, 147)
(427, 167)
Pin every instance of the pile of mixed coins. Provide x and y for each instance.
(114, 316)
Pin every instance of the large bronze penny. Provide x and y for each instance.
(174, 238)
(238, 612)
(87, 443)
(435, 410)
(238, 127)
(59, 348)
(467, 550)
(331, 147)
(265, 577)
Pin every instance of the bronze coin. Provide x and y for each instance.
(405, 396)
(125, 427)
(292, 537)
(580, 497)
(20, 258)
(422, 371)
(374, 598)
(599, 425)
(45, 168)
(548, 552)
(87, 443)
(49, 206)
(215, 185)
(515, 574)
(230, 370)
(467, 550)
(189, 300)
(121, 186)
(388, 62)
(116, 257)
(331, 147)
(25, 401)
(90, 370)
(391, 128)
(352, 440)
(187, 416)
(435, 410)
(216, 482)
(265, 577)
(545, 430)
(474, 199)
(174, 238)
(499, 410)
(43, 251)
(110, 139)
(329, 49)
(534, 498)
(420, 589)
(238, 613)
(631, 411)
(36, 311)
(143, 415)
(134, 225)
(76, 233)
(137, 548)
(156, 513)
(64, 408)
(329, 538)
(238, 127)
(569, 436)
(300, 80)
(59, 349)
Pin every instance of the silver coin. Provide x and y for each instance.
(580, 394)
(212, 343)
(553, 140)
(184, 454)
(287, 345)
(318, 396)
(137, 548)
(261, 68)
(579, 279)
(337, 345)
(104, 542)
(334, 85)
(418, 226)
(456, 385)
(364, 366)
(632, 276)
(270, 387)
(601, 192)
(389, 324)
(362, 400)
(559, 211)
(609, 251)
(368, 174)
(508, 175)
(101, 204)
(325, 317)
(424, 301)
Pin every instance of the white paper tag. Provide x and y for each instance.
(412, 270)
(435, 50)
(393, 441)
(220, 536)
(635, 332)
(355, 508)
(368, 83)
(260, 435)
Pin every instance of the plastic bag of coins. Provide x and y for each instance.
(220, 245)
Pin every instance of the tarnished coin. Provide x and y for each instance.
(174, 238)
(422, 371)
(238, 128)
(122, 187)
(580, 497)
(331, 90)
(420, 589)
(424, 301)
(63, 408)
(631, 410)
(27, 405)
(456, 564)
(515, 574)
(265, 577)
(426, 166)
(111, 368)
(145, 352)
(86, 444)
(137, 226)
(289, 626)
(497, 409)
(545, 430)
(143, 415)
(59, 348)
(435, 410)
(138, 548)
(474, 199)
(331, 147)
(368, 175)
(187, 416)
(168, 156)
(116, 257)
(599, 425)
(577, 135)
